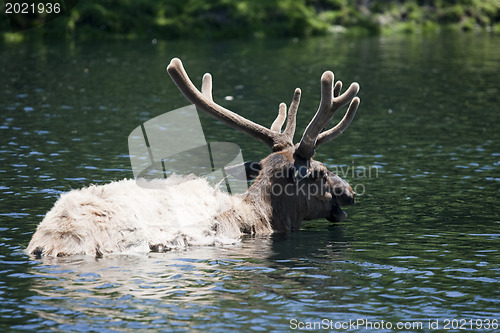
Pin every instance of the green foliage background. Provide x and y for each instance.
(169, 19)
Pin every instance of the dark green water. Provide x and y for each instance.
(421, 245)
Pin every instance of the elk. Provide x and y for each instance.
(289, 187)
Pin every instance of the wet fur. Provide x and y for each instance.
(122, 217)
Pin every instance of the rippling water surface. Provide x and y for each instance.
(421, 245)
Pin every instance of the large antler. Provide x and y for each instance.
(331, 102)
(313, 136)
(204, 101)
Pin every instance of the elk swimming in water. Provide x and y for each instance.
(289, 187)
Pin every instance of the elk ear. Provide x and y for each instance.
(244, 171)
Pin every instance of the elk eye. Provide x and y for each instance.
(316, 174)
(322, 175)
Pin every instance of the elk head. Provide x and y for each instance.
(290, 186)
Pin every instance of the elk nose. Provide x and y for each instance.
(351, 195)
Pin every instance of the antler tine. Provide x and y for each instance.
(206, 87)
(320, 119)
(206, 104)
(336, 92)
(346, 97)
(337, 89)
(280, 119)
(331, 102)
(341, 126)
(285, 139)
(291, 121)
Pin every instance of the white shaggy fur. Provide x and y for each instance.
(122, 217)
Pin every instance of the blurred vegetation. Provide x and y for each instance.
(169, 19)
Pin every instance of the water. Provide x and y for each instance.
(421, 245)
